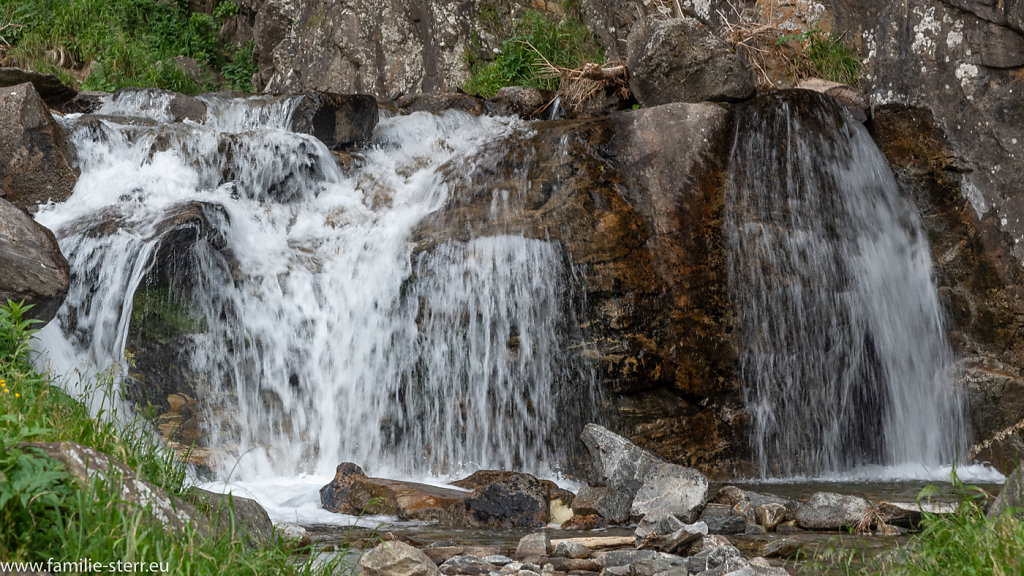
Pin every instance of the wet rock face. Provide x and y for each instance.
(643, 230)
(980, 280)
(34, 270)
(336, 119)
(963, 61)
(682, 60)
(506, 499)
(36, 161)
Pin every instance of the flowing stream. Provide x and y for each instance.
(846, 364)
(316, 334)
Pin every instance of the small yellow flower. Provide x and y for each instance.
(16, 395)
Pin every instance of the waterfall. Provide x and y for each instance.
(316, 334)
(844, 358)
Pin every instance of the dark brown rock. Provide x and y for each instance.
(408, 500)
(34, 270)
(36, 161)
(529, 103)
(337, 120)
(583, 521)
(506, 500)
(54, 92)
(335, 496)
(440, 102)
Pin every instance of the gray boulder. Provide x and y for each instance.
(533, 546)
(570, 549)
(1012, 495)
(336, 119)
(241, 518)
(672, 489)
(36, 161)
(830, 511)
(396, 559)
(723, 519)
(681, 60)
(606, 502)
(678, 541)
(712, 558)
(34, 270)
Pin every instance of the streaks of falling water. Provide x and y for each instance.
(325, 337)
(845, 361)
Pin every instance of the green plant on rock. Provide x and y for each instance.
(827, 55)
(537, 37)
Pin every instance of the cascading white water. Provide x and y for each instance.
(845, 362)
(325, 337)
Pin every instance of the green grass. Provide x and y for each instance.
(161, 316)
(966, 543)
(565, 42)
(125, 43)
(827, 55)
(45, 513)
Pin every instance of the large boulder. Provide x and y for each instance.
(395, 558)
(682, 60)
(235, 516)
(54, 92)
(830, 511)
(36, 161)
(506, 500)
(353, 492)
(386, 48)
(34, 270)
(652, 485)
(85, 464)
(337, 120)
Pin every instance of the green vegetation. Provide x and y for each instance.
(965, 543)
(827, 55)
(538, 42)
(162, 316)
(46, 513)
(119, 43)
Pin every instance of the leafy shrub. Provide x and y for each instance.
(565, 43)
(126, 42)
(240, 70)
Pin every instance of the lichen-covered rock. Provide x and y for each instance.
(385, 48)
(34, 270)
(672, 489)
(830, 511)
(609, 503)
(86, 464)
(533, 546)
(396, 559)
(682, 60)
(36, 161)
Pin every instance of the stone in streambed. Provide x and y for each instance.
(830, 511)
(533, 546)
(604, 501)
(334, 497)
(712, 558)
(678, 541)
(503, 499)
(723, 519)
(569, 549)
(672, 489)
(467, 564)
(396, 559)
(352, 492)
(781, 548)
(337, 120)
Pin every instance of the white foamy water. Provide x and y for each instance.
(324, 337)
